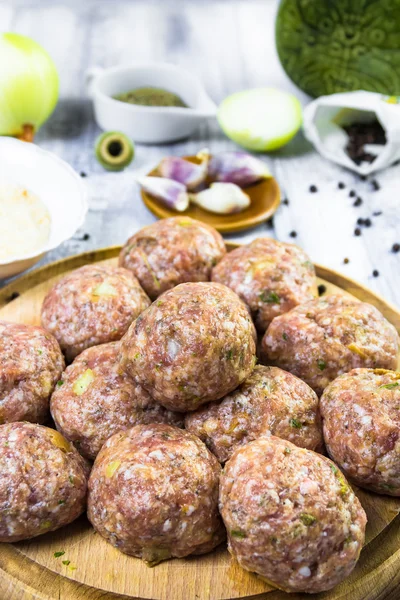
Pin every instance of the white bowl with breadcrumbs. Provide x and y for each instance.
(42, 204)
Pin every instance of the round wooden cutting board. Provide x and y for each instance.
(91, 569)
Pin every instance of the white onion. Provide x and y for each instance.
(28, 86)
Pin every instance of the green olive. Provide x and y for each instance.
(114, 150)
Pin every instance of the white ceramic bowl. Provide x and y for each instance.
(148, 124)
(56, 184)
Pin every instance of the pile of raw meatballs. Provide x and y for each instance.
(162, 387)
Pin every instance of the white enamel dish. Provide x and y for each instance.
(55, 183)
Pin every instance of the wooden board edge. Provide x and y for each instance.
(28, 280)
(31, 278)
(367, 582)
(362, 292)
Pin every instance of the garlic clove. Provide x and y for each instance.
(204, 154)
(222, 198)
(190, 174)
(237, 167)
(171, 193)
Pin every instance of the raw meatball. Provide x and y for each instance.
(153, 493)
(361, 421)
(194, 344)
(92, 305)
(326, 337)
(172, 251)
(291, 517)
(30, 365)
(42, 483)
(96, 399)
(268, 401)
(270, 277)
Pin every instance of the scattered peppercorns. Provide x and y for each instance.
(313, 189)
(285, 202)
(83, 174)
(352, 193)
(293, 234)
(321, 289)
(346, 261)
(375, 185)
(375, 273)
(341, 185)
(357, 231)
(395, 248)
(358, 201)
(365, 222)
(364, 177)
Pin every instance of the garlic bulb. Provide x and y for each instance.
(222, 198)
(172, 193)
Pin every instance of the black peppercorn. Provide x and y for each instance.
(293, 234)
(83, 174)
(375, 185)
(377, 213)
(313, 189)
(360, 221)
(346, 261)
(358, 201)
(367, 222)
(359, 135)
(341, 185)
(352, 193)
(375, 273)
(395, 248)
(286, 202)
(357, 231)
(321, 289)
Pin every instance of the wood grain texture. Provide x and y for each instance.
(29, 570)
(230, 45)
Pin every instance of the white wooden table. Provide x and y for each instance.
(229, 44)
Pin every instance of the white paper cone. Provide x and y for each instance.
(323, 117)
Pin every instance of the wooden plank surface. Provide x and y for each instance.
(229, 44)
